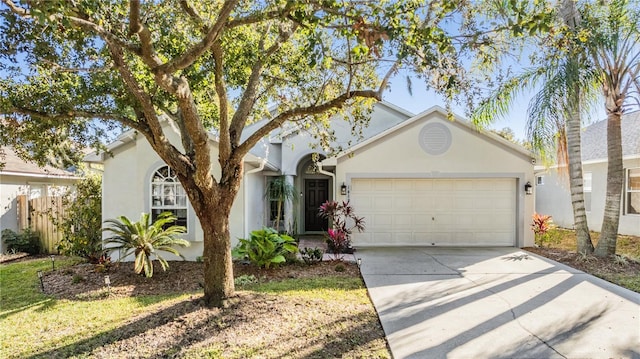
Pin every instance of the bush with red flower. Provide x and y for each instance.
(343, 221)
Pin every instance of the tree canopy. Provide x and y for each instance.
(72, 70)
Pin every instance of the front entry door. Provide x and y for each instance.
(316, 193)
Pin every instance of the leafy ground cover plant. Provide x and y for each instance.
(265, 247)
(145, 239)
(343, 221)
(311, 255)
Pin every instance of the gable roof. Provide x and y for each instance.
(131, 136)
(594, 138)
(456, 120)
(14, 165)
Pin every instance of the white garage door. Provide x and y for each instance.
(440, 212)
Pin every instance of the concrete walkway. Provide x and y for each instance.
(496, 303)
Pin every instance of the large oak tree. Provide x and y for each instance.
(72, 69)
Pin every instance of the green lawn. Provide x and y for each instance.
(312, 318)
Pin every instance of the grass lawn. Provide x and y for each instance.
(623, 269)
(314, 317)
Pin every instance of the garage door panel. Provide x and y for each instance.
(382, 203)
(382, 220)
(401, 203)
(444, 212)
(383, 185)
(442, 185)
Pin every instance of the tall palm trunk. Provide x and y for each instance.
(615, 177)
(573, 124)
(576, 183)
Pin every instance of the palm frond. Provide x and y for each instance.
(145, 239)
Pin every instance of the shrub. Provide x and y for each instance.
(81, 227)
(343, 222)
(340, 268)
(145, 239)
(311, 255)
(265, 247)
(541, 225)
(26, 242)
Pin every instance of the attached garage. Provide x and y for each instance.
(439, 212)
(436, 181)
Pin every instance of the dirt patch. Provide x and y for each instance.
(87, 281)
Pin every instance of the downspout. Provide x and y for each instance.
(246, 197)
(333, 177)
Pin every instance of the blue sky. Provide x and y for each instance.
(421, 99)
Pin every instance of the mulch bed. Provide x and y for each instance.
(86, 281)
(590, 264)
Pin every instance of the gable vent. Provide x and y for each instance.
(435, 138)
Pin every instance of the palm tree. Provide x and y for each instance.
(280, 191)
(614, 47)
(554, 115)
(145, 239)
(599, 52)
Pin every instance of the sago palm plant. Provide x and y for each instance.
(145, 239)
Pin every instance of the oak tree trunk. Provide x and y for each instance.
(615, 178)
(218, 265)
(213, 209)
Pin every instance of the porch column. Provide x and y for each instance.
(288, 207)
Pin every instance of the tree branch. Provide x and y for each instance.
(194, 15)
(223, 102)
(138, 28)
(75, 114)
(277, 121)
(187, 58)
(250, 94)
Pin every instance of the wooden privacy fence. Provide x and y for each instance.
(41, 214)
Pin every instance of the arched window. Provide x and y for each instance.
(167, 195)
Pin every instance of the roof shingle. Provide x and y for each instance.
(594, 138)
(13, 163)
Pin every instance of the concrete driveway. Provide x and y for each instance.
(496, 303)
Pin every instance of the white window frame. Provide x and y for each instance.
(167, 194)
(587, 188)
(628, 190)
(44, 189)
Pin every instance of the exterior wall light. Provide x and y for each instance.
(343, 189)
(528, 188)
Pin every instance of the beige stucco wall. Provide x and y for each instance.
(126, 191)
(554, 199)
(471, 155)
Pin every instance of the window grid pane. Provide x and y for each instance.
(167, 195)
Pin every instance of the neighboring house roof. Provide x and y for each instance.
(594, 138)
(457, 119)
(14, 165)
